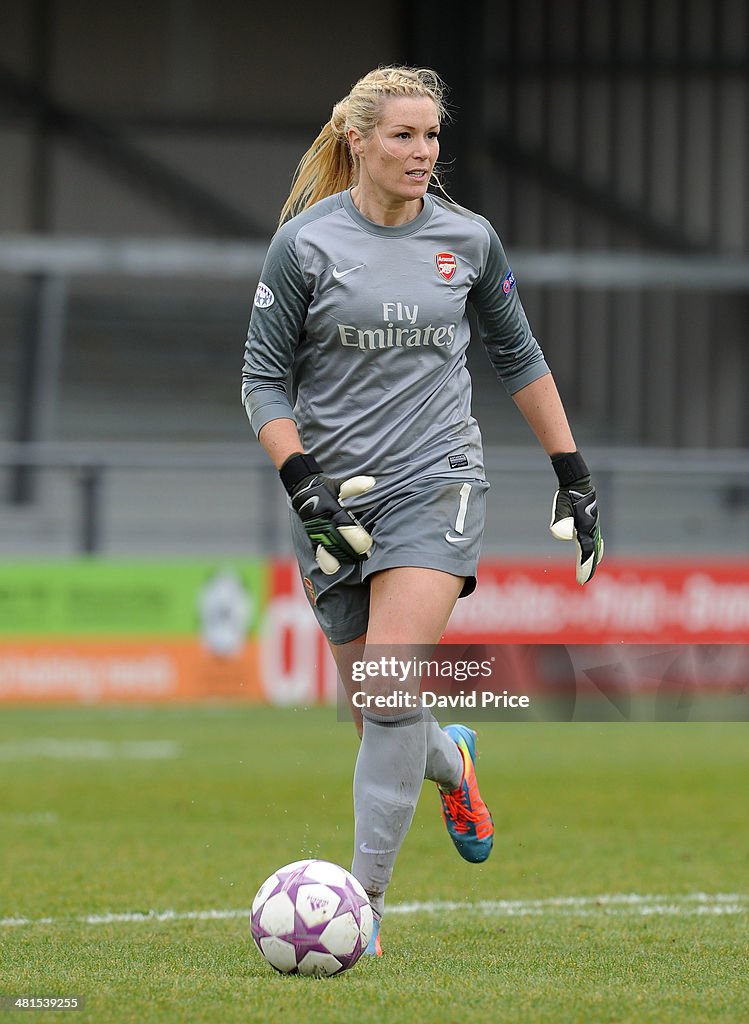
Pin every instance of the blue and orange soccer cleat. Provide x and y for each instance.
(374, 946)
(465, 814)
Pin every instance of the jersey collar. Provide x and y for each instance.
(399, 230)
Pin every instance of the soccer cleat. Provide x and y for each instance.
(374, 946)
(465, 814)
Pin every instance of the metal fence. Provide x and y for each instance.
(104, 496)
(668, 374)
(123, 500)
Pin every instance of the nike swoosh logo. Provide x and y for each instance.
(365, 849)
(314, 501)
(338, 274)
(452, 539)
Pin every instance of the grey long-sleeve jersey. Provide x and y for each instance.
(368, 326)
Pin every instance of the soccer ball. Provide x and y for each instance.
(311, 917)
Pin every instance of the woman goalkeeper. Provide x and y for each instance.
(362, 306)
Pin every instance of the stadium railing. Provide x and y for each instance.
(153, 257)
(214, 498)
(115, 498)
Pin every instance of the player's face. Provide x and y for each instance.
(396, 160)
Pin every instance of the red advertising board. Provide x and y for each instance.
(658, 601)
(518, 604)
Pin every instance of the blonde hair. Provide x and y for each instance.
(329, 166)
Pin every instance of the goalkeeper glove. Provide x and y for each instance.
(574, 513)
(335, 532)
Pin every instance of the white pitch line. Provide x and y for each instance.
(52, 748)
(29, 818)
(612, 904)
(617, 904)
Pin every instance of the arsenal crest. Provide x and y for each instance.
(446, 264)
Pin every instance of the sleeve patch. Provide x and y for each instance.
(508, 283)
(264, 297)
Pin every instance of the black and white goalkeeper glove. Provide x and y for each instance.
(336, 534)
(574, 513)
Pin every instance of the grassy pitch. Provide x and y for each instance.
(133, 841)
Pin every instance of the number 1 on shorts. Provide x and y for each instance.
(460, 520)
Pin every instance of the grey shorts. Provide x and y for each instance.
(437, 525)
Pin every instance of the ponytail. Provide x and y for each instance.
(326, 168)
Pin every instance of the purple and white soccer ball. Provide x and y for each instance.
(311, 917)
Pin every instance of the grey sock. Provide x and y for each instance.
(387, 781)
(444, 764)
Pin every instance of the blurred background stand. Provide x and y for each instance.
(145, 159)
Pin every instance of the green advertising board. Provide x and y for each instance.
(118, 599)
